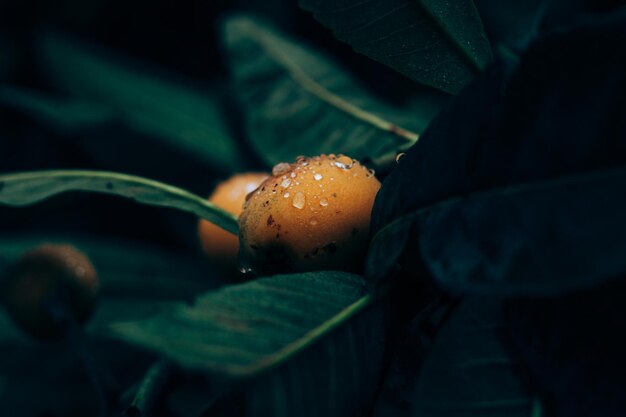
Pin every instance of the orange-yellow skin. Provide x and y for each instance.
(313, 214)
(48, 285)
(219, 245)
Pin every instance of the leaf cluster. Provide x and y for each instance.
(493, 277)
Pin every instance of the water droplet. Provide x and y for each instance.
(286, 195)
(246, 270)
(251, 187)
(280, 168)
(286, 182)
(313, 221)
(293, 175)
(344, 162)
(323, 202)
(300, 159)
(317, 177)
(400, 156)
(305, 164)
(370, 173)
(298, 201)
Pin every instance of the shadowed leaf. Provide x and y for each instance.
(179, 116)
(469, 370)
(297, 102)
(441, 44)
(310, 342)
(515, 189)
(66, 114)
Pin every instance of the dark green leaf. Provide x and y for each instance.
(31, 187)
(532, 246)
(526, 170)
(574, 349)
(300, 103)
(311, 341)
(470, 370)
(414, 340)
(179, 116)
(441, 44)
(64, 113)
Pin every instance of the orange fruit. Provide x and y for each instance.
(219, 245)
(313, 214)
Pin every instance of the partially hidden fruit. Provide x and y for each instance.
(219, 245)
(48, 287)
(313, 214)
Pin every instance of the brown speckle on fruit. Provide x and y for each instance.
(323, 213)
(49, 284)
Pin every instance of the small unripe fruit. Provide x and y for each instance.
(219, 245)
(313, 214)
(48, 286)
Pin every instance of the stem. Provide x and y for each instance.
(150, 389)
(75, 337)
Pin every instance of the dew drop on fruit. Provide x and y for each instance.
(323, 202)
(344, 162)
(280, 168)
(286, 182)
(286, 195)
(317, 177)
(370, 173)
(293, 175)
(298, 200)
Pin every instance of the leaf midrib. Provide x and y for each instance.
(292, 349)
(299, 76)
(229, 221)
